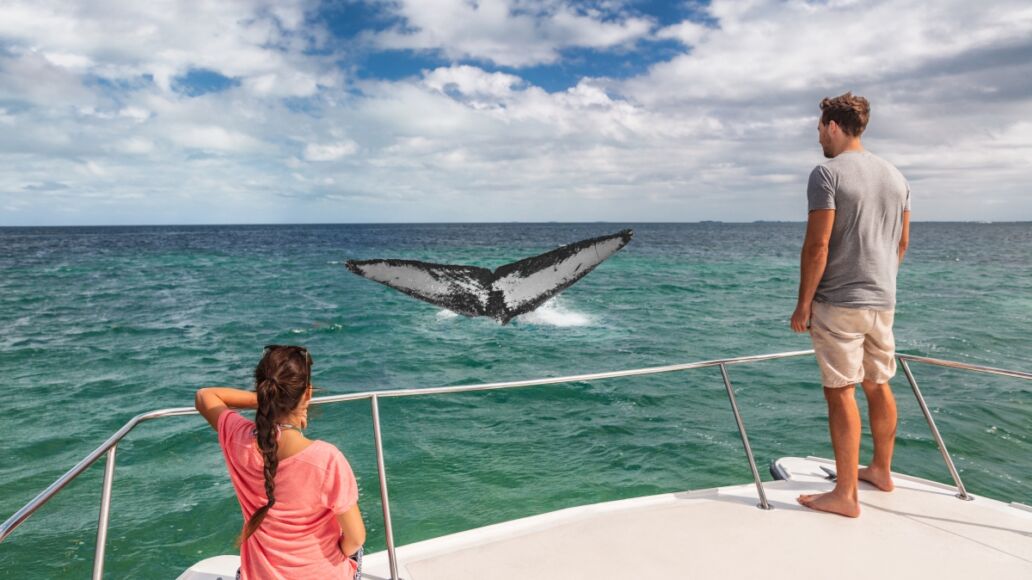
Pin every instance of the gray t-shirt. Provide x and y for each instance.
(869, 197)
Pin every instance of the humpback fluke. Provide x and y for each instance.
(509, 291)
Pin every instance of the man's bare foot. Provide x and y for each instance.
(831, 502)
(877, 477)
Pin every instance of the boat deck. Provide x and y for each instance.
(921, 530)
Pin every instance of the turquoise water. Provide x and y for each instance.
(100, 324)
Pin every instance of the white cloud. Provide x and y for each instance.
(136, 146)
(68, 60)
(213, 138)
(471, 80)
(135, 113)
(261, 42)
(330, 151)
(686, 32)
(27, 76)
(1017, 135)
(724, 130)
(764, 47)
(95, 169)
(506, 32)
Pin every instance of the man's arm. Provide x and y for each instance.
(211, 401)
(904, 238)
(813, 260)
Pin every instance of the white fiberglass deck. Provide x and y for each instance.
(920, 530)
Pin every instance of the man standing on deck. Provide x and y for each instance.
(856, 234)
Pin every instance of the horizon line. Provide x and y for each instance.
(215, 224)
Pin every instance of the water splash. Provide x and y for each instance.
(554, 313)
(551, 313)
(446, 314)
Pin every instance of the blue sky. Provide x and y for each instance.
(252, 111)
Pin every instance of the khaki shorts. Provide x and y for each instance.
(852, 344)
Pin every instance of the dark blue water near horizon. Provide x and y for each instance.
(102, 323)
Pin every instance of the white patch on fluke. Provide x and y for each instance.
(517, 289)
(421, 281)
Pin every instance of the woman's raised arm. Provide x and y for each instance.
(211, 401)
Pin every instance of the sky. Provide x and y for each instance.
(345, 111)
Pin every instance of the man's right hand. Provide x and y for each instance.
(801, 317)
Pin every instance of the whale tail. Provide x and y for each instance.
(503, 294)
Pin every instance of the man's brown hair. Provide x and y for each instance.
(849, 112)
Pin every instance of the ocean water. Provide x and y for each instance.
(100, 324)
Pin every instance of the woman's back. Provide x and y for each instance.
(299, 537)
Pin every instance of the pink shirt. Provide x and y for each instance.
(299, 536)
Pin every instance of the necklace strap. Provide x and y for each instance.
(281, 427)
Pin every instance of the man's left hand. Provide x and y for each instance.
(801, 318)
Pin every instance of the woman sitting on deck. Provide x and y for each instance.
(298, 496)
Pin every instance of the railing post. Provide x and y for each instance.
(745, 439)
(384, 501)
(105, 511)
(962, 492)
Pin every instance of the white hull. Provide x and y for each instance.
(920, 530)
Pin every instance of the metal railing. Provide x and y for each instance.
(903, 358)
(110, 445)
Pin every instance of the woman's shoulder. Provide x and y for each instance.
(231, 424)
(325, 452)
